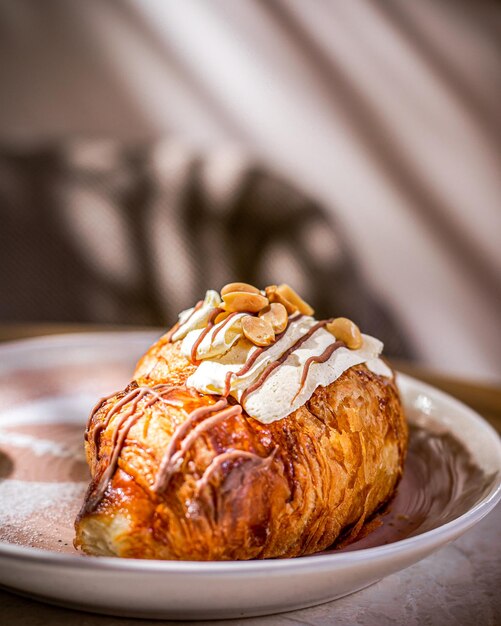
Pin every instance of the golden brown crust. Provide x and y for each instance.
(318, 473)
(163, 362)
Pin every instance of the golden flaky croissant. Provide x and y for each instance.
(181, 470)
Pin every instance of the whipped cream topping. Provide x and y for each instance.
(271, 382)
(197, 316)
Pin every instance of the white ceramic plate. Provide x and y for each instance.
(47, 388)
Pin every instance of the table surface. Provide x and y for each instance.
(459, 584)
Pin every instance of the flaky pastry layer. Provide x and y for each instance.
(236, 488)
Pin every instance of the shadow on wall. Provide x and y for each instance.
(96, 231)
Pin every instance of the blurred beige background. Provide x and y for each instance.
(386, 112)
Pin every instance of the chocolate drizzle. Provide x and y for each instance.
(123, 426)
(203, 334)
(231, 455)
(172, 461)
(224, 323)
(198, 421)
(95, 408)
(181, 431)
(253, 357)
(320, 358)
(168, 336)
(134, 394)
(246, 367)
(272, 366)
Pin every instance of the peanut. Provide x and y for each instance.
(276, 315)
(230, 287)
(345, 330)
(273, 296)
(295, 299)
(222, 316)
(258, 330)
(243, 301)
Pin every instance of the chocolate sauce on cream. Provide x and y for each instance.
(224, 324)
(203, 334)
(320, 358)
(253, 357)
(272, 366)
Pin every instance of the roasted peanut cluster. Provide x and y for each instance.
(269, 313)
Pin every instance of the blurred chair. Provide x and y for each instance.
(98, 231)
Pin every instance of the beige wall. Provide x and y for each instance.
(386, 111)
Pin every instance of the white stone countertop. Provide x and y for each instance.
(460, 584)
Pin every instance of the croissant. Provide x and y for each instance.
(181, 473)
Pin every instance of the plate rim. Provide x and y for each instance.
(430, 538)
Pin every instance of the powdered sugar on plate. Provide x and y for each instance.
(44, 406)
